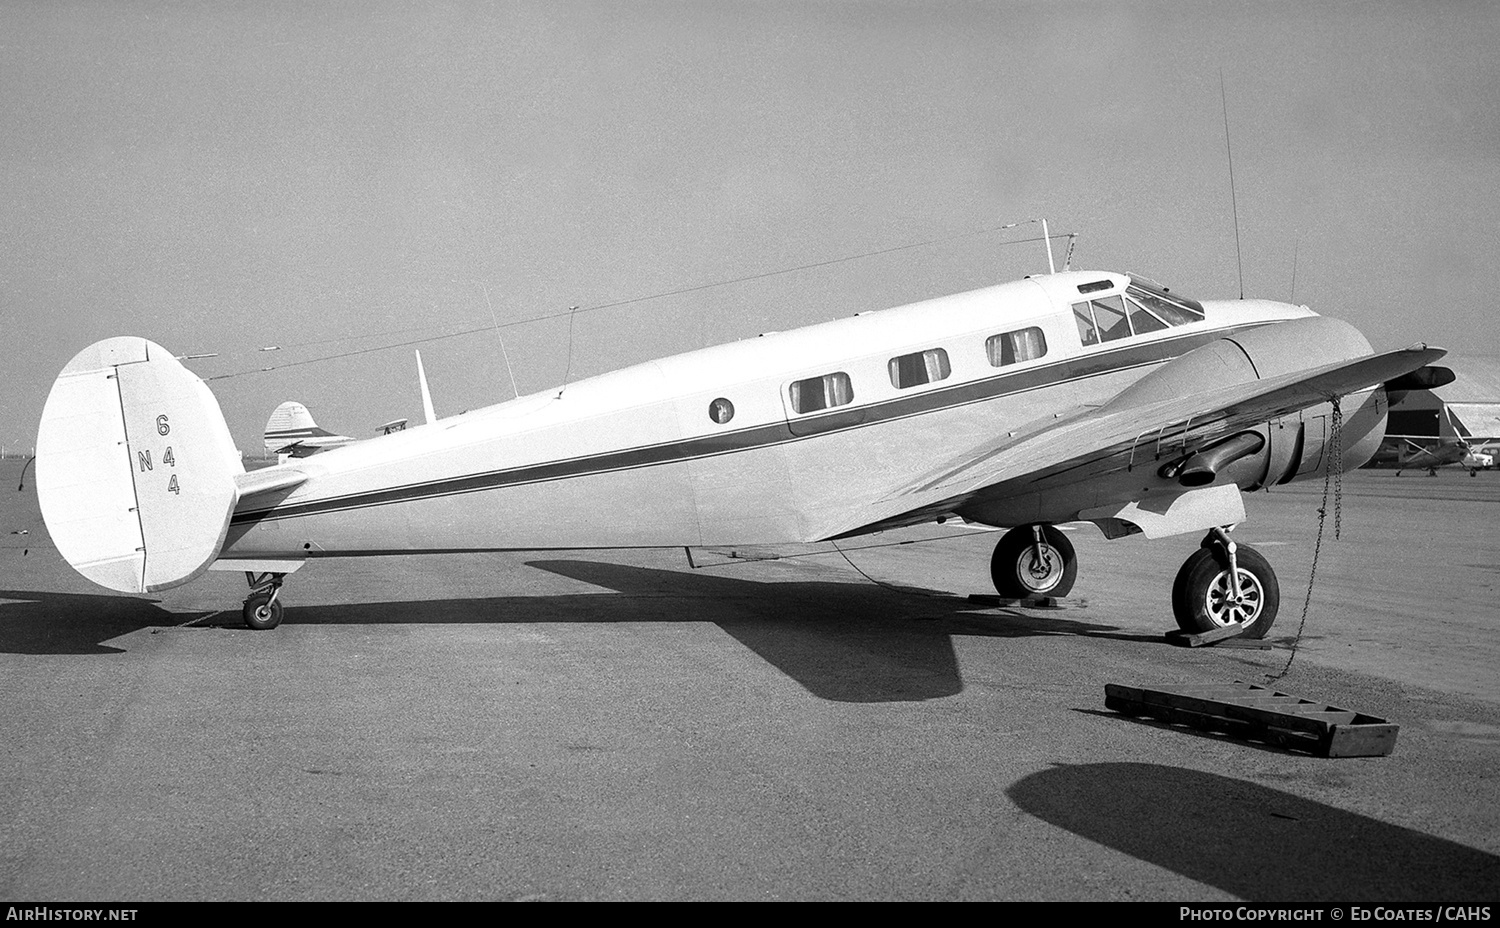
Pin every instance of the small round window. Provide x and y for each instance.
(721, 410)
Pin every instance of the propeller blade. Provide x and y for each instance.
(1423, 378)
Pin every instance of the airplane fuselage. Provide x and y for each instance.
(771, 439)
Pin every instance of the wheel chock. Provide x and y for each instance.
(1226, 636)
(1254, 713)
(1033, 602)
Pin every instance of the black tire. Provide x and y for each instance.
(1198, 593)
(1016, 572)
(261, 613)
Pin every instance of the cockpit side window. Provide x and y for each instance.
(1085, 319)
(1109, 317)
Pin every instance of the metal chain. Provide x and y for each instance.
(1336, 439)
(1333, 475)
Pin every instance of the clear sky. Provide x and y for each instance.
(329, 177)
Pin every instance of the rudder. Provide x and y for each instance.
(135, 467)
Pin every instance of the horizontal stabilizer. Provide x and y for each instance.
(135, 468)
(269, 480)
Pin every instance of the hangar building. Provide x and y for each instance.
(1468, 408)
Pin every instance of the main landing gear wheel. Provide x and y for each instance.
(1204, 599)
(1033, 560)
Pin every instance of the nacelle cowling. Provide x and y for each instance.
(1292, 446)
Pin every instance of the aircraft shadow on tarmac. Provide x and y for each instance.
(1254, 842)
(74, 623)
(847, 642)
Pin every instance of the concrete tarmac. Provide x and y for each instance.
(622, 726)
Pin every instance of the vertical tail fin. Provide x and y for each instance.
(289, 424)
(291, 431)
(135, 467)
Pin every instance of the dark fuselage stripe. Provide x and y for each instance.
(1005, 384)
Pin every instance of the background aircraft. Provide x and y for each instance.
(292, 433)
(1413, 452)
(1075, 396)
(1411, 455)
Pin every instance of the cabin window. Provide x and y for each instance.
(721, 410)
(911, 370)
(1014, 347)
(816, 393)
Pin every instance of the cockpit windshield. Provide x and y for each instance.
(1144, 307)
(1173, 308)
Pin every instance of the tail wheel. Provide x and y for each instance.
(261, 612)
(1024, 565)
(1203, 598)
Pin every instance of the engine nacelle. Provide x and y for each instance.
(1157, 476)
(1285, 449)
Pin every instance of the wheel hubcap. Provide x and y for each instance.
(1039, 574)
(1224, 607)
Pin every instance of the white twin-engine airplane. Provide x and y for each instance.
(1075, 396)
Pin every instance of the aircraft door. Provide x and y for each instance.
(824, 403)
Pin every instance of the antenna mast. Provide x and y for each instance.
(1233, 203)
(1295, 246)
(495, 323)
(572, 311)
(1046, 239)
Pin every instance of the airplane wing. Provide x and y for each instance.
(1412, 441)
(1091, 436)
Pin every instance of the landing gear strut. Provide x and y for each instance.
(262, 607)
(1034, 560)
(1224, 583)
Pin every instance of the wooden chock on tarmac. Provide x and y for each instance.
(1033, 602)
(1227, 636)
(1255, 713)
